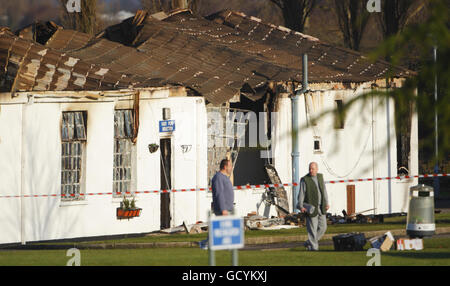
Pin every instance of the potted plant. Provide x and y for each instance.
(136, 211)
(128, 209)
(153, 147)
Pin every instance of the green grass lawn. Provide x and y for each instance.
(436, 252)
(389, 224)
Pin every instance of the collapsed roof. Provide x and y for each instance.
(218, 57)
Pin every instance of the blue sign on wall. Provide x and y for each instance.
(226, 232)
(166, 125)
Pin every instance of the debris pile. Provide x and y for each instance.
(198, 227)
(385, 242)
(349, 242)
(382, 242)
(259, 222)
(359, 217)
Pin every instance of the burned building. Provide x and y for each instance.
(81, 115)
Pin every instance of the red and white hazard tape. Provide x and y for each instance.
(387, 178)
(244, 187)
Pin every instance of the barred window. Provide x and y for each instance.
(123, 133)
(73, 137)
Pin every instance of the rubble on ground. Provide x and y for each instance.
(254, 221)
(198, 227)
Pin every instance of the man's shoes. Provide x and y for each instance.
(309, 246)
(203, 244)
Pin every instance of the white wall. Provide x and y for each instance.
(347, 154)
(10, 168)
(49, 218)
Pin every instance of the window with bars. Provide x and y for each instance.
(73, 137)
(123, 147)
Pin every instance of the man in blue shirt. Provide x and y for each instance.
(222, 189)
(222, 193)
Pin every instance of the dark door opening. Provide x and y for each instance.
(166, 160)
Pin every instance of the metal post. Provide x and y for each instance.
(295, 132)
(388, 123)
(234, 252)
(373, 162)
(212, 257)
(295, 152)
(436, 146)
(235, 256)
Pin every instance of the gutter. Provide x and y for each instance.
(295, 132)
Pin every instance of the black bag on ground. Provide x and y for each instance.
(349, 242)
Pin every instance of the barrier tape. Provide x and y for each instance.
(243, 187)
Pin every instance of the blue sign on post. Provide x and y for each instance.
(166, 125)
(226, 232)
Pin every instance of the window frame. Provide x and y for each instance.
(319, 150)
(71, 140)
(125, 136)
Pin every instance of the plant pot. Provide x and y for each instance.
(120, 212)
(130, 213)
(153, 148)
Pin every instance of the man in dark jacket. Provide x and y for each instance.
(222, 189)
(313, 200)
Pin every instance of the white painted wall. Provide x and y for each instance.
(10, 169)
(49, 218)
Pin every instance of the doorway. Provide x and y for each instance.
(166, 180)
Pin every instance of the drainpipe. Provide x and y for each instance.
(388, 122)
(374, 186)
(436, 134)
(295, 132)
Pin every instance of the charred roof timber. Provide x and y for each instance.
(219, 57)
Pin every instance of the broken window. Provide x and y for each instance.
(73, 137)
(123, 133)
(340, 115)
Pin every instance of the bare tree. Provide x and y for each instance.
(295, 12)
(84, 21)
(395, 15)
(353, 18)
(19, 13)
(154, 6)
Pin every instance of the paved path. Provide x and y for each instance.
(262, 242)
